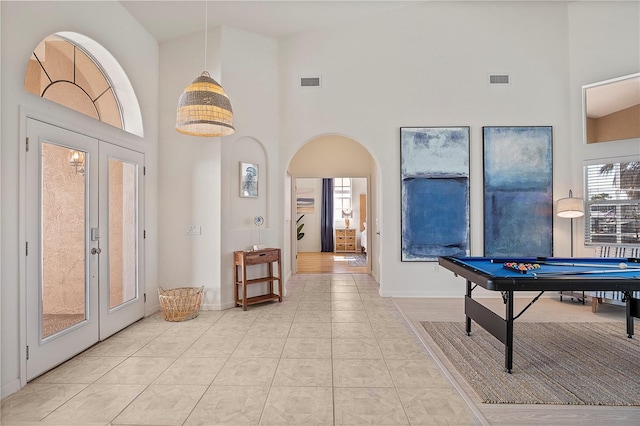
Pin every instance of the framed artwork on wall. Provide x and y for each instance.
(434, 169)
(248, 180)
(518, 191)
(305, 200)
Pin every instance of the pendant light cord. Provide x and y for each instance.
(206, 31)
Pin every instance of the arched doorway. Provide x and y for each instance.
(337, 156)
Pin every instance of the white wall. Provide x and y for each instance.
(23, 26)
(359, 186)
(250, 76)
(428, 65)
(604, 43)
(191, 174)
(201, 175)
(311, 242)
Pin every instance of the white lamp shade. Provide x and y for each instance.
(570, 208)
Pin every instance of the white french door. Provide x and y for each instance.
(83, 232)
(121, 235)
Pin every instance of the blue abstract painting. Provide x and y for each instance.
(435, 192)
(518, 191)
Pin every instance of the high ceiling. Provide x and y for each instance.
(167, 20)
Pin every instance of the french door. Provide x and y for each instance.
(120, 210)
(84, 243)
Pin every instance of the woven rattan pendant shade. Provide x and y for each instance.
(204, 109)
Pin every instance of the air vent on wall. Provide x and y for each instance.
(310, 81)
(499, 79)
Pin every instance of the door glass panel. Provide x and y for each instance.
(63, 195)
(123, 230)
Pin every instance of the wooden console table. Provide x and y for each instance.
(267, 256)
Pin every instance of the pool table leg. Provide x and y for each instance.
(468, 321)
(508, 347)
(633, 310)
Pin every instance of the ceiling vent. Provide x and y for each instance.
(310, 82)
(499, 79)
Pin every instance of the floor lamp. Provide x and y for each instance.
(570, 208)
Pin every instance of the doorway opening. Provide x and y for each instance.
(334, 157)
(330, 225)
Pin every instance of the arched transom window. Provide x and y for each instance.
(64, 71)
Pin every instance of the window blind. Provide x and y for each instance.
(612, 203)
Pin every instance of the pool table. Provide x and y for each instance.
(508, 275)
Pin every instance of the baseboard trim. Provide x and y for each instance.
(151, 309)
(217, 306)
(10, 388)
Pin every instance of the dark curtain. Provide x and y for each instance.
(326, 216)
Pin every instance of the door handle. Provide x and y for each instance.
(96, 250)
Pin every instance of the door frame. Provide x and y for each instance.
(294, 225)
(74, 121)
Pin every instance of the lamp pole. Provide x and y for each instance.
(571, 225)
(570, 208)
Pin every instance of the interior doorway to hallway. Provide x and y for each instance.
(333, 263)
(348, 251)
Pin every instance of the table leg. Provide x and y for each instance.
(508, 347)
(235, 285)
(632, 311)
(244, 287)
(271, 275)
(468, 318)
(280, 283)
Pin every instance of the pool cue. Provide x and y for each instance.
(605, 271)
(591, 265)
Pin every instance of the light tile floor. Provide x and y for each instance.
(332, 353)
(547, 309)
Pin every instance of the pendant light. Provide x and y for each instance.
(204, 108)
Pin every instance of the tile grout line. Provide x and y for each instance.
(444, 370)
(214, 378)
(395, 385)
(264, 406)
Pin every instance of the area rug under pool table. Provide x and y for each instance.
(553, 363)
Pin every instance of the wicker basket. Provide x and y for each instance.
(180, 304)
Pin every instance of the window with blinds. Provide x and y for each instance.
(612, 203)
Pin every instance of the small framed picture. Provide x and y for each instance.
(248, 180)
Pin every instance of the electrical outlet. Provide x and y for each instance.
(194, 230)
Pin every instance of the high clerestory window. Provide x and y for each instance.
(76, 72)
(612, 203)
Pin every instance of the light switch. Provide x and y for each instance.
(194, 230)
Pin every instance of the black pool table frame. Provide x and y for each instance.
(502, 328)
